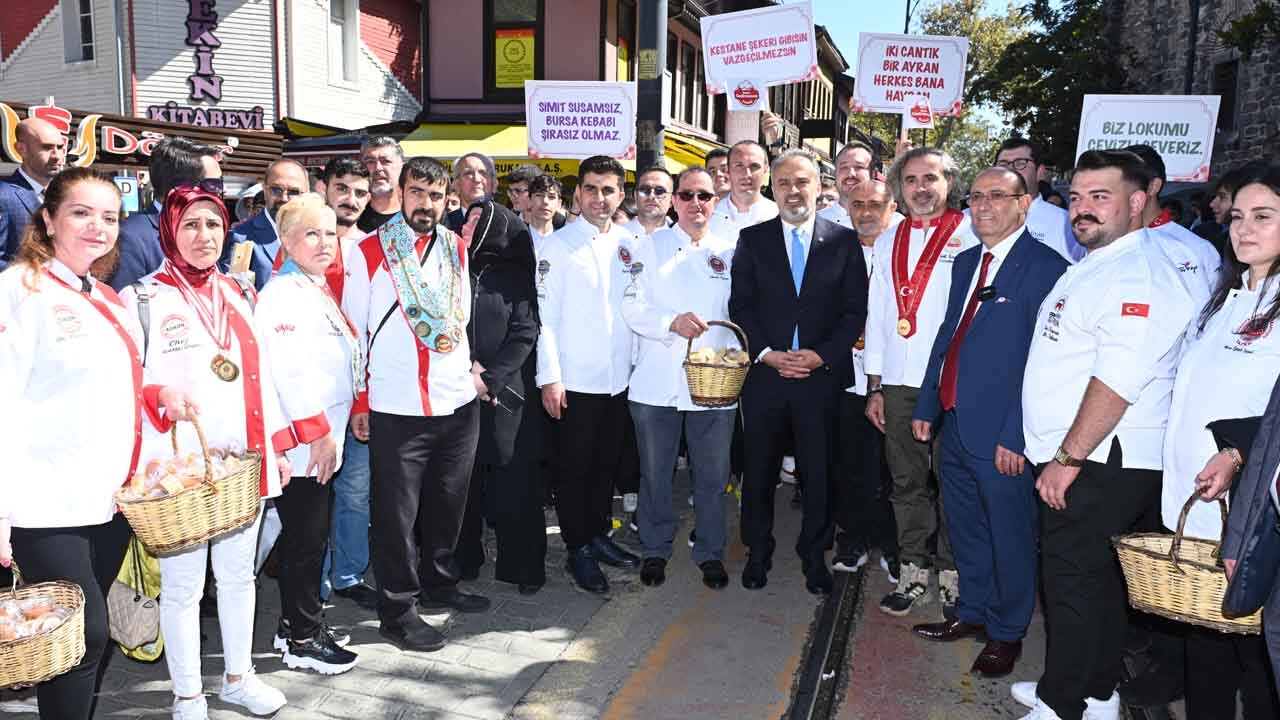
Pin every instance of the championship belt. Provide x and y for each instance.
(433, 312)
(909, 292)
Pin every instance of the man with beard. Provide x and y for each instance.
(718, 166)
(1095, 402)
(383, 158)
(285, 180)
(44, 150)
(584, 366)
(1045, 221)
(853, 167)
(799, 293)
(409, 294)
(653, 202)
(745, 205)
(909, 288)
(474, 178)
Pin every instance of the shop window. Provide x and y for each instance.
(704, 100)
(344, 40)
(77, 30)
(1225, 80)
(513, 47)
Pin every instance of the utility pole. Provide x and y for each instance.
(651, 62)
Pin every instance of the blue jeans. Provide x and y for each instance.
(348, 555)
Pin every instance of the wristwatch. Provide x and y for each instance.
(1062, 457)
(873, 390)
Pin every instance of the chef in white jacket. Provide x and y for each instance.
(679, 280)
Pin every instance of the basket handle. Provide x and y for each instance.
(17, 577)
(742, 337)
(204, 450)
(1176, 546)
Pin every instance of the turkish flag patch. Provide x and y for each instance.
(1135, 310)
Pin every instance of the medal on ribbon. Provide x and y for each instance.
(213, 316)
(909, 291)
(433, 311)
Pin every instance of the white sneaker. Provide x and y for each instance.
(197, 708)
(1040, 711)
(888, 570)
(788, 474)
(948, 588)
(19, 702)
(1024, 692)
(252, 694)
(1108, 709)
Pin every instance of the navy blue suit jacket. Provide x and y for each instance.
(18, 201)
(1251, 537)
(140, 253)
(266, 246)
(831, 308)
(994, 355)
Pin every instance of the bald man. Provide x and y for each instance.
(43, 150)
(284, 181)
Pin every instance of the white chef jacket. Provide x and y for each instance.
(311, 347)
(859, 386)
(1051, 225)
(242, 414)
(1195, 259)
(71, 425)
(727, 221)
(898, 360)
(675, 277)
(1117, 315)
(402, 376)
(1222, 374)
(585, 343)
(836, 214)
(635, 227)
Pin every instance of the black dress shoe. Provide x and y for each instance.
(997, 658)
(713, 574)
(654, 571)
(586, 571)
(528, 588)
(412, 633)
(948, 630)
(755, 575)
(607, 551)
(451, 597)
(818, 580)
(361, 594)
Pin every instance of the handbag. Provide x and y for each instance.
(133, 615)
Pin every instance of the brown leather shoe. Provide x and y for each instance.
(997, 658)
(947, 630)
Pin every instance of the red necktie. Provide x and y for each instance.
(950, 369)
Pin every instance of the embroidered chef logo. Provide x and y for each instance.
(1053, 321)
(174, 327)
(1251, 331)
(635, 270)
(287, 329)
(67, 319)
(625, 256)
(1135, 310)
(719, 268)
(544, 267)
(1186, 266)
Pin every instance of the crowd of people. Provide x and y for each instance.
(979, 387)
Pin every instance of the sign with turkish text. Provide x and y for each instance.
(513, 57)
(579, 119)
(773, 45)
(894, 69)
(1180, 127)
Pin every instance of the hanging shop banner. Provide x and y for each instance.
(580, 119)
(772, 46)
(513, 61)
(1180, 127)
(894, 69)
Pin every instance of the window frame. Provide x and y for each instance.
(350, 49)
(494, 94)
(73, 28)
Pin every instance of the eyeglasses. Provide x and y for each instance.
(1019, 164)
(647, 190)
(689, 195)
(517, 192)
(284, 193)
(859, 206)
(209, 185)
(993, 197)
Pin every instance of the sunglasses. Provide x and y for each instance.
(209, 185)
(654, 190)
(690, 195)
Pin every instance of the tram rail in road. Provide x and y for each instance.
(825, 661)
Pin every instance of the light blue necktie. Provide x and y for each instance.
(797, 275)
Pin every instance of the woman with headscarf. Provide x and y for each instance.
(201, 338)
(72, 421)
(505, 485)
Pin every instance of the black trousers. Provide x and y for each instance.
(304, 507)
(89, 556)
(589, 440)
(862, 482)
(628, 472)
(1219, 665)
(776, 413)
(1085, 605)
(420, 469)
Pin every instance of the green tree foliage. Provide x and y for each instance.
(1260, 25)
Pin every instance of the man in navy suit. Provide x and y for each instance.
(44, 150)
(973, 386)
(800, 295)
(174, 161)
(285, 180)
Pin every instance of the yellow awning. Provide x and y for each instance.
(508, 146)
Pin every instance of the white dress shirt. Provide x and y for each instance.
(677, 277)
(1222, 374)
(1117, 315)
(32, 182)
(585, 343)
(898, 360)
(1051, 225)
(998, 255)
(727, 221)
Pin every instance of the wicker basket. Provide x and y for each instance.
(35, 659)
(173, 523)
(715, 384)
(1180, 578)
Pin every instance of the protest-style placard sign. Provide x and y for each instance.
(771, 46)
(894, 69)
(1179, 127)
(580, 119)
(918, 114)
